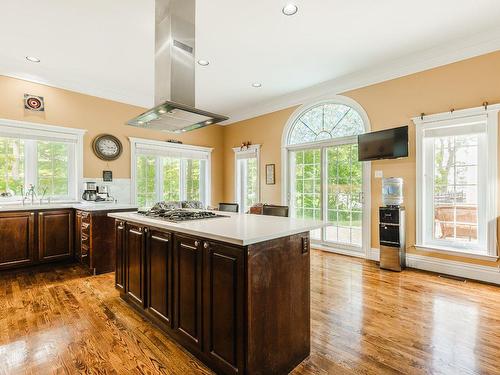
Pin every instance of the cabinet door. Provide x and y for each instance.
(134, 263)
(17, 238)
(187, 289)
(223, 301)
(55, 235)
(120, 255)
(159, 275)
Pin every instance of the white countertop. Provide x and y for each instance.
(84, 206)
(238, 229)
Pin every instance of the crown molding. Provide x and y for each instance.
(457, 50)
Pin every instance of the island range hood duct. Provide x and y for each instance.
(175, 109)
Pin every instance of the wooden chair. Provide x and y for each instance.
(229, 207)
(272, 210)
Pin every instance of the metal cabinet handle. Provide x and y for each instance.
(196, 243)
(146, 230)
(205, 245)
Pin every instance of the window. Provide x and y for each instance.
(456, 181)
(247, 176)
(169, 172)
(39, 155)
(324, 179)
(326, 121)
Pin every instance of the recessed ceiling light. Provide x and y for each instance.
(256, 84)
(203, 62)
(33, 59)
(290, 9)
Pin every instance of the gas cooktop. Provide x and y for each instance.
(179, 215)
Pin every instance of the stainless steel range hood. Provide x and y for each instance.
(175, 109)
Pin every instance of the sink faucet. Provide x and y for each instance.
(44, 192)
(31, 192)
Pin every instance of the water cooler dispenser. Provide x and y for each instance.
(392, 226)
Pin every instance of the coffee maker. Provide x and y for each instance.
(89, 191)
(102, 193)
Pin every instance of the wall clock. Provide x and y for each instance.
(107, 147)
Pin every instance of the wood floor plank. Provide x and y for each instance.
(60, 320)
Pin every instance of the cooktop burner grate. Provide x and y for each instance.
(178, 215)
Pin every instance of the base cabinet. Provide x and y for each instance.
(135, 263)
(159, 258)
(120, 256)
(223, 302)
(240, 309)
(187, 289)
(55, 235)
(17, 239)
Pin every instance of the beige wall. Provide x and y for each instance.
(389, 104)
(461, 85)
(71, 109)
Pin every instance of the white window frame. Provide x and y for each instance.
(183, 152)
(33, 131)
(486, 200)
(365, 249)
(239, 179)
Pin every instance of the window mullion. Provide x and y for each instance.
(30, 164)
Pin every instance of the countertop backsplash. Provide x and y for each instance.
(119, 188)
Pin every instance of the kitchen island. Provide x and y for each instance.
(233, 290)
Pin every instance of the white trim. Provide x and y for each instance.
(373, 254)
(455, 268)
(74, 135)
(134, 142)
(170, 145)
(338, 250)
(453, 51)
(251, 150)
(455, 252)
(285, 148)
(460, 113)
(489, 115)
(447, 267)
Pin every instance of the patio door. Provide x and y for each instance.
(326, 183)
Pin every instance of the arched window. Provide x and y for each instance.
(326, 121)
(323, 178)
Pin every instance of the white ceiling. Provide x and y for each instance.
(105, 48)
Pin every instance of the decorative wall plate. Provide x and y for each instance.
(34, 103)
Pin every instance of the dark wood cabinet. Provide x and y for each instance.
(240, 309)
(188, 258)
(120, 256)
(159, 258)
(55, 235)
(135, 263)
(223, 302)
(17, 239)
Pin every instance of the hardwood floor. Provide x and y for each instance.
(364, 321)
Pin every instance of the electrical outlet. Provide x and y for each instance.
(379, 174)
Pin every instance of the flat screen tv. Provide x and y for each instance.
(384, 144)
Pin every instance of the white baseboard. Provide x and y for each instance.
(450, 267)
(373, 254)
(447, 267)
(336, 250)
